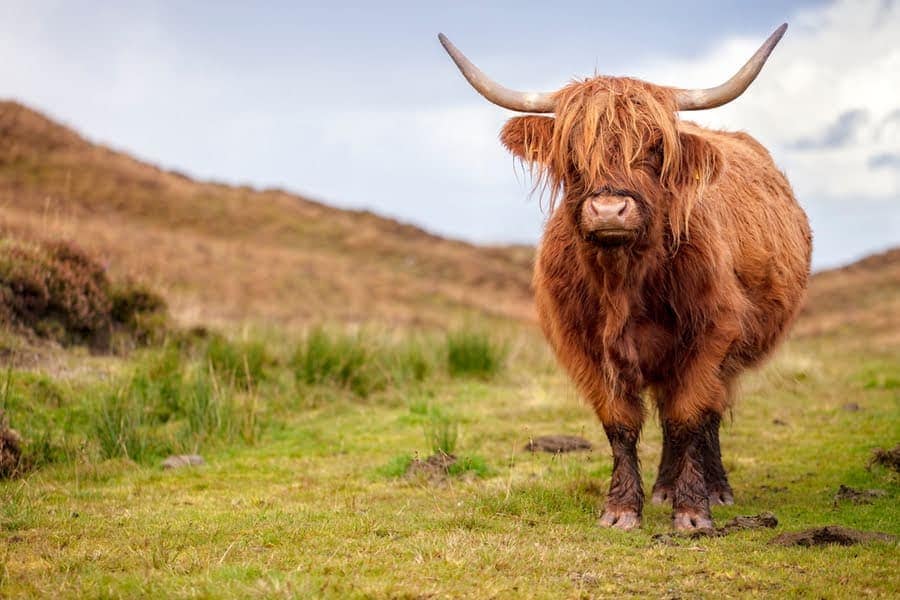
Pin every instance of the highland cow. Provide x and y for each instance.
(674, 258)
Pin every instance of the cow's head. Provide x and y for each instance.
(614, 151)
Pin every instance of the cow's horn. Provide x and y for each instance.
(734, 87)
(534, 102)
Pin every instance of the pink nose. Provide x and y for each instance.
(609, 212)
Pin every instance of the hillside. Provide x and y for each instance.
(860, 302)
(226, 254)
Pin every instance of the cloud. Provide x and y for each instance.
(825, 102)
(885, 160)
(839, 134)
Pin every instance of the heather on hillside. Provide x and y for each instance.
(56, 290)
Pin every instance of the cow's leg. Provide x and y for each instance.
(690, 495)
(665, 478)
(691, 412)
(714, 472)
(716, 479)
(625, 500)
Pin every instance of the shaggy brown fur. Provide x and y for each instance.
(707, 287)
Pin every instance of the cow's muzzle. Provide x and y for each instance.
(610, 218)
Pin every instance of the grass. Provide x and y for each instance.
(471, 352)
(316, 505)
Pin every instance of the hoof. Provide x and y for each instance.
(691, 520)
(661, 495)
(721, 497)
(624, 519)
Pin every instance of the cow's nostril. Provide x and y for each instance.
(624, 207)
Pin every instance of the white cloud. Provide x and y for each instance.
(834, 62)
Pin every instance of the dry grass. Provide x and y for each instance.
(225, 254)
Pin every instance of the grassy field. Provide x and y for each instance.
(188, 326)
(307, 441)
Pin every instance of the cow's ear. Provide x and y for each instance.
(528, 137)
(701, 162)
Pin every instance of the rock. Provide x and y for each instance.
(851, 407)
(176, 461)
(831, 534)
(556, 444)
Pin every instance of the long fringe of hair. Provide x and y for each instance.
(606, 125)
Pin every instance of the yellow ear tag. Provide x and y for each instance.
(697, 175)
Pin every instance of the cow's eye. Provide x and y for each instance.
(654, 158)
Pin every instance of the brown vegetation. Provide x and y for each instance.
(220, 253)
(53, 289)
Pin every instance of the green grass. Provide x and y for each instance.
(316, 505)
(473, 353)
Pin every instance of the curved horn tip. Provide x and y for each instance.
(701, 99)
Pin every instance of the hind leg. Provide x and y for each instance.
(665, 478)
(717, 484)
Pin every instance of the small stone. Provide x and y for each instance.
(176, 461)
(851, 407)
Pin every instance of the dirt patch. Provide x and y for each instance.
(557, 444)
(10, 449)
(832, 534)
(849, 494)
(887, 458)
(764, 520)
(435, 468)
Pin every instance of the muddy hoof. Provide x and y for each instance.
(691, 520)
(721, 497)
(624, 519)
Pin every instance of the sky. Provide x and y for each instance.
(356, 104)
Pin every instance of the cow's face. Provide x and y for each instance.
(615, 156)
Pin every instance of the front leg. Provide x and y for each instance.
(625, 501)
(690, 494)
(714, 472)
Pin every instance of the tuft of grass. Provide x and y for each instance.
(122, 427)
(472, 353)
(214, 412)
(441, 433)
(475, 465)
(396, 467)
(244, 363)
(341, 360)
